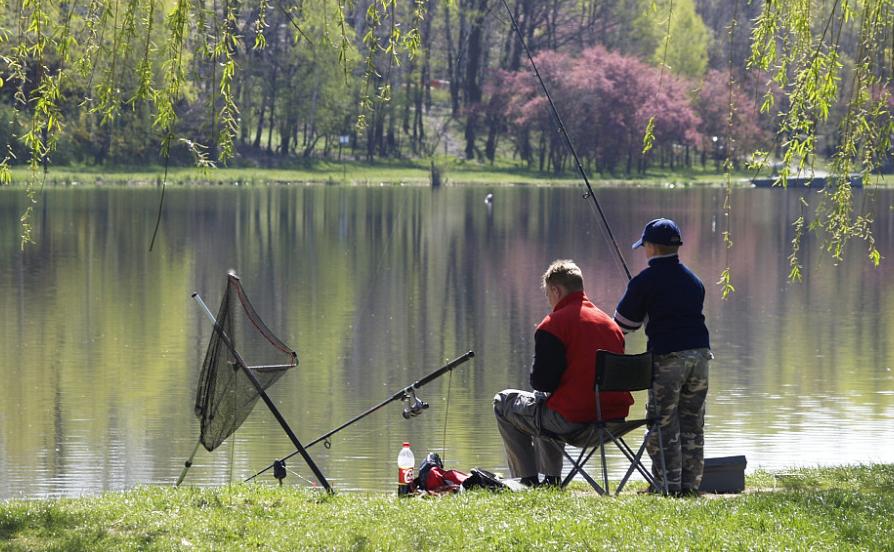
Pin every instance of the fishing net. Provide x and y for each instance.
(225, 394)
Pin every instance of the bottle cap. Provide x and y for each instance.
(406, 444)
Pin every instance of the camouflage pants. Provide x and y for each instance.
(677, 397)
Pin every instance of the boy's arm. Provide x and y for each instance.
(631, 310)
(549, 361)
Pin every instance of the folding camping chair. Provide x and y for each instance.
(616, 372)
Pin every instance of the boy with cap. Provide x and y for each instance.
(668, 298)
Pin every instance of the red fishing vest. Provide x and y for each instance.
(584, 329)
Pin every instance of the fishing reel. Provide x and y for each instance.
(413, 405)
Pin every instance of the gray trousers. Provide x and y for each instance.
(521, 417)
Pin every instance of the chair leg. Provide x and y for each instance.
(632, 456)
(576, 464)
(635, 459)
(570, 475)
(593, 483)
(602, 457)
(578, 468)
(635, 463)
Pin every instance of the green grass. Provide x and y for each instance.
(359, 173)
(813, 509)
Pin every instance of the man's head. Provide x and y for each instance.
(561, 278)
(660, 237)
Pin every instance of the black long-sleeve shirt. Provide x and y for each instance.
(671, 298)
(549, 362)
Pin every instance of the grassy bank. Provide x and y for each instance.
(359, 173)
(816, 509)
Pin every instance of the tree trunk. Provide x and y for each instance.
(310, 124)
(490, 147)
(472, 88)
(418, 122)
(452, 69)
(425, 78)
(408, 94)
(285, 137)
(389, 145)
(256, 144)
(525, 151)
(270, 124)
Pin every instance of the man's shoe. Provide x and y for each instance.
(530, 481)
(551, 481)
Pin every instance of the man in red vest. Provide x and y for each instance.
(562, 375)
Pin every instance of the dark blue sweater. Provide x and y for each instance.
(668, 297)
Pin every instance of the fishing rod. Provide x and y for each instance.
(413, 408)
(580, 167)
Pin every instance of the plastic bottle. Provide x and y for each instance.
(405, 464)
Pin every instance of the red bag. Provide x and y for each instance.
(439, 480)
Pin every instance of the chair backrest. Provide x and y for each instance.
(616, 372)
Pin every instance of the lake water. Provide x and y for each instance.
(375, 287)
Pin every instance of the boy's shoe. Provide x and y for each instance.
(650, 490)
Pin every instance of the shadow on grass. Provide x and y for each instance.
(24, 526)
(9, 528)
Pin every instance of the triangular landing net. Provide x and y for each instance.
(225, 395)
(244, 358)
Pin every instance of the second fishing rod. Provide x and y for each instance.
(413, 407)
(567, 140)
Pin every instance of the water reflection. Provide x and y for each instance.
(377, 286)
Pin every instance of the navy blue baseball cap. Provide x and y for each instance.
(661, 231)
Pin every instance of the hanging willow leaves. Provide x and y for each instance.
(794, 264)
(809, 66)
(371, 74)
(649, 133)
(165, 99)
(261, 25)
(726, 286)
(228, 118)
(43, 31)
(725, 283)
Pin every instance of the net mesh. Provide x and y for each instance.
(225, 394)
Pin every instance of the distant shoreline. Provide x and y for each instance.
(393, 173)
(355, 173)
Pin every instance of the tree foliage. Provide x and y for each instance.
(214, 82)
(608, 139)
(684, 49)
(729, 119)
